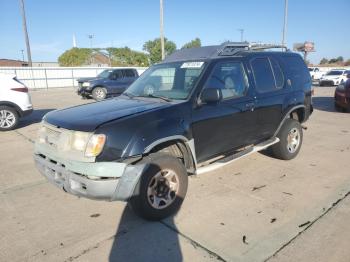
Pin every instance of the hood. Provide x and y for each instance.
(88, 117)
(86, 79)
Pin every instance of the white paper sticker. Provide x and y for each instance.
(192, 65)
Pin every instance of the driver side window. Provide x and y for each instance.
(117, 75)
(230, 77)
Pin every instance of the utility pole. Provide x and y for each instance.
(161, 29)
(90, 37)
(25, 31)
(284, 41)
(22, 51)
(242, 32)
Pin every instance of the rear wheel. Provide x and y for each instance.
(161, 188)
(291, 138)
(99, 93)
(8, 118)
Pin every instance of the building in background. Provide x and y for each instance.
(11, 62)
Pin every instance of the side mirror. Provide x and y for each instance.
(211, 95)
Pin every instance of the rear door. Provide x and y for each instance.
(270, 93)
(227, 125)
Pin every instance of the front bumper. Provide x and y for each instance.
(100, 181)
(83, 91)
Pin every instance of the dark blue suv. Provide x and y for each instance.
(110, 82)
(196, 111)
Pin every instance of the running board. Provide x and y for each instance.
(229, 159)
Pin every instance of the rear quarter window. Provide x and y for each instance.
(297, 71)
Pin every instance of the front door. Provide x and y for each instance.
(229, 124)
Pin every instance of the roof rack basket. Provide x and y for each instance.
(232, 48)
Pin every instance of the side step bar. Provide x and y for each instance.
(229, 159)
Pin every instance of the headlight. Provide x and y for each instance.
(86, 84)
(95, 145)
(79, 140)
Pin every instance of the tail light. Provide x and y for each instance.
(20, 89)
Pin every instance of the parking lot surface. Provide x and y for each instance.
(255, 209)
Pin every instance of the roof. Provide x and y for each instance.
(217, 51)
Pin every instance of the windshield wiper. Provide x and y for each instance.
(160, 97)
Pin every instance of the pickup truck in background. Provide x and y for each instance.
(109, 82)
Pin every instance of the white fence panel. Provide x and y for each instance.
(50, 77)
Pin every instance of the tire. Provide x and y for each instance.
(153, 183)
(99, 93)
(291, 139)
(8, 118)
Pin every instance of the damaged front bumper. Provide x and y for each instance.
(98, 180)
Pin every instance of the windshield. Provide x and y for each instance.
(171, 80)
(334, 73)
(105, 73)
(311, 69)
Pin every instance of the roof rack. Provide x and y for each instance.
(232, 48)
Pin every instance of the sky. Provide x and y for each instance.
(52, 23)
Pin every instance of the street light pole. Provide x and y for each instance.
(25, 31)
(161, 30)
(242, 32)
(90, 37)
(285, 23)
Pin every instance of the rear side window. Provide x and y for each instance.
(129, 73)
(264, 78)
(297, 71)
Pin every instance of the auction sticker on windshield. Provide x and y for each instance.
(192, 65)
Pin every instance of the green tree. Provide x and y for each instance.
(127, 57)
(333, 61)
(153, 47)
(340, 59)
(324, 61)
(194, 43)
(75, 57)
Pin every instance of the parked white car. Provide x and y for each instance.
(316, 73)
(15, 101)
(334, 77)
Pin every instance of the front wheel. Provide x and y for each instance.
(291, 138)
(161, 188)
(8, 118)
(99, 93)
